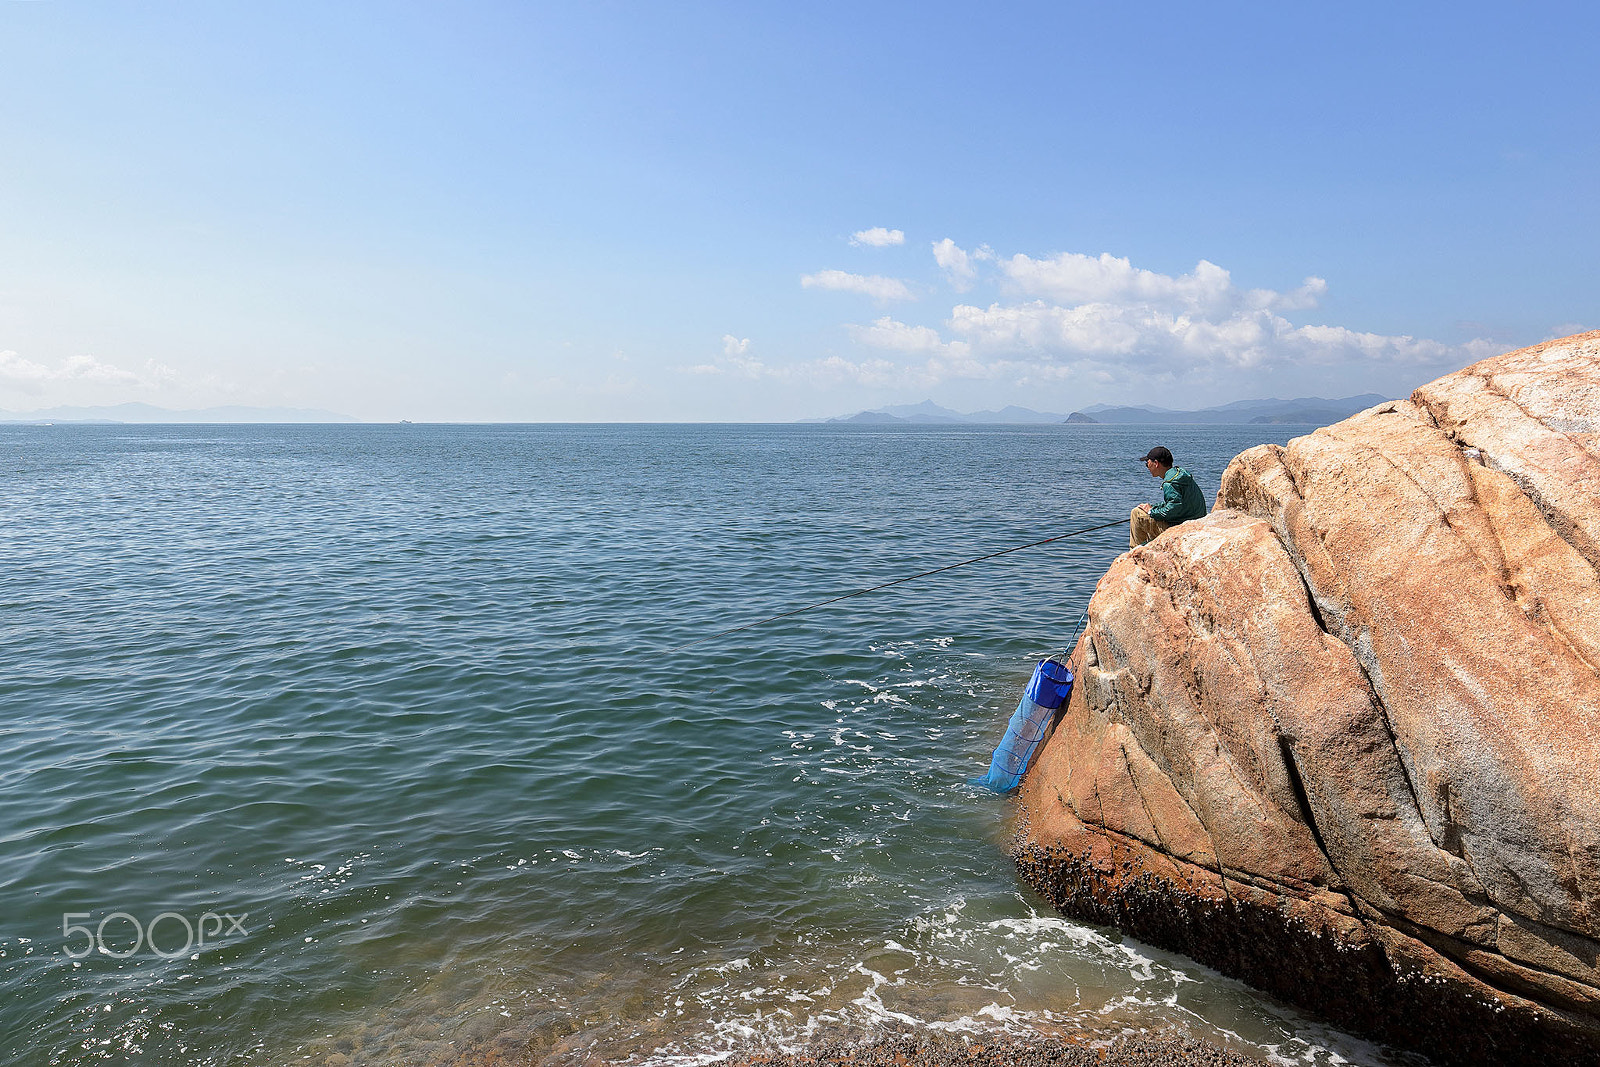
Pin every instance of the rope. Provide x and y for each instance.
(897, 581)
(1066, 653)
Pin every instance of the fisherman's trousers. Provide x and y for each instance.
(1142, 528)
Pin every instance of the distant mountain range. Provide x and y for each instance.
(1303, 411)
(929, 412)
(147, 413)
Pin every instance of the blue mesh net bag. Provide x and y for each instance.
(1047, 690)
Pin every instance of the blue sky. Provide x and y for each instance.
(743, 211)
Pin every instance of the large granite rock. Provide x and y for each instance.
(1341, 737)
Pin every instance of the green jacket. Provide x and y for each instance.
(1181, 498)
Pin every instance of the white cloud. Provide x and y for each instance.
(1104, 318)
(1073, 278)
(1100, 321)
(735, 353)
(1309, 295)
(878, 237)
(956, 264)
(876, 286)
(89, 369)
(24, 373)
(888, 333)
(31, 377)
(1163, 342)
(735, 360)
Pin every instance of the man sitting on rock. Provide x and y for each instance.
(1181, 500)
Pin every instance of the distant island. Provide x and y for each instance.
(116, 414)
(1301, 411)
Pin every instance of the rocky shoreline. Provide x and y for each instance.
(1340, 738)
(1358, 978)
(1141, 1051)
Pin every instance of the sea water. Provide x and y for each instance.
(370, 744)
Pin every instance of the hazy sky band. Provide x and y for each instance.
(601, 211)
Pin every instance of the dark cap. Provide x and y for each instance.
(1160, 454)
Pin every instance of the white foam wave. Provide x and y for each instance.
(964, 970)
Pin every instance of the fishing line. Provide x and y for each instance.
(897, 581)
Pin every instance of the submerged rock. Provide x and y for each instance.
(1341, 737)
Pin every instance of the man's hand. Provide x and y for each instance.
(1145, 507)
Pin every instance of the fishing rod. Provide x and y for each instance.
(897, 581)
